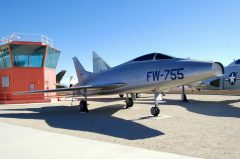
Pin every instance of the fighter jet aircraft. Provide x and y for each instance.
(230, 80)
(70, 83)
(59, 77)
(152, 72)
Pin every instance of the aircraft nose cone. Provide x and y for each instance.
(217, 68)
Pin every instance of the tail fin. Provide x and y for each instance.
(72, 80)
(99, 64)
(60, 75)
(82, 74)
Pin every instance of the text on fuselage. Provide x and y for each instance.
(165, 74)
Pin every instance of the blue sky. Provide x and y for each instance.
(120, 30)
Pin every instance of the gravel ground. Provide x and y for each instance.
(208, 126)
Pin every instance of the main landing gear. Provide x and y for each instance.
(83, 103)
(138, 95)
(129, 101)
(155, 110)
(83, 106)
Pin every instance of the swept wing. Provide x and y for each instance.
(88, 87)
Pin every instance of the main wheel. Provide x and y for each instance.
(83, 106)
(129, 103)
(155, 111)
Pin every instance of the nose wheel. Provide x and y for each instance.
(155, 111)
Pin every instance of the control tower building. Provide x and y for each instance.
(27, 63)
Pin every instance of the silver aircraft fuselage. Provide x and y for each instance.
(153, 75)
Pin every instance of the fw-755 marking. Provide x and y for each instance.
(176, 73)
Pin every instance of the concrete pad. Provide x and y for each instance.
(207, 126)
(26, 143)
(150, 117)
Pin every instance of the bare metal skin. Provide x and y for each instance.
(149, 73)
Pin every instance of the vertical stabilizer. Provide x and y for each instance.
(60, 75)
(82, 74)
(99, 64)
(232, 67)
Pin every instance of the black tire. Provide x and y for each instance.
(129, 103)
(83, 106)
(155, 111)
(158, 110)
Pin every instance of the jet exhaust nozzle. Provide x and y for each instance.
(217, 69)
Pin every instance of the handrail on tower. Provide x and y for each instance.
(28, 37)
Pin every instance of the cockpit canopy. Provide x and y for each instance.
(153, 56)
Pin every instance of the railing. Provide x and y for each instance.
(3, 41)
(10, 97)
(28, 37)
(46, 40)
(27, 98)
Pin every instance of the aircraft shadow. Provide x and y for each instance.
(98, 121)
(210, 108)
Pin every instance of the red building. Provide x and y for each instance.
(27, 65)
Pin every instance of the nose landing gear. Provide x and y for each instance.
(155, 110)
